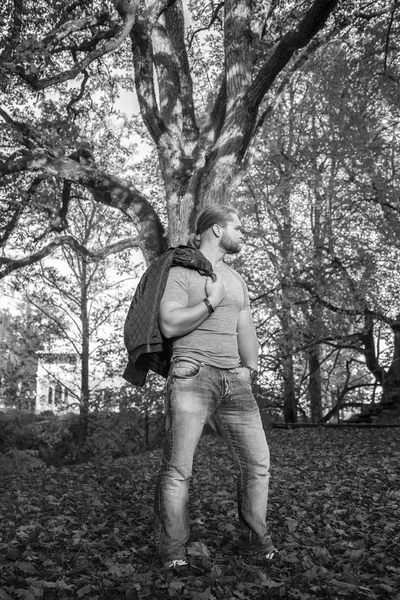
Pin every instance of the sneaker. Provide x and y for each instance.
(177, 566)
(182, 568)
(265, 552)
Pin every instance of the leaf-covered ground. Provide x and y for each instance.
(85, 531)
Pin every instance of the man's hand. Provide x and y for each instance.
(244, 374)
(215, 290)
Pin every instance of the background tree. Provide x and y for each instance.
(85, 295)
(321, 188)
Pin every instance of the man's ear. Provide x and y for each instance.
(217, 230)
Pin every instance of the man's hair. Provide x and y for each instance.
(215, 214)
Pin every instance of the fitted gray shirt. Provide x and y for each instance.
(214, 341)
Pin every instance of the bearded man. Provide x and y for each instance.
(214, 363)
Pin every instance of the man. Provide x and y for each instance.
(214, 362)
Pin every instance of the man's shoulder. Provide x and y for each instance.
(233, 272)
(181, 274)
(178, 270)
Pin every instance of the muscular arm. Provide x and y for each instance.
(176, 320)
(247, 340)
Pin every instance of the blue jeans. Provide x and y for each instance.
(196, 394)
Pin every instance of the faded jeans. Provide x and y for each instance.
(196, 394)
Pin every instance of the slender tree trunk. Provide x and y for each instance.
(289, 394)
(289, 398)
(84, 401)
(314, 384)
(320, 225)
(314, 363)
(147, 425)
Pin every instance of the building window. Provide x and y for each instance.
(57, 394)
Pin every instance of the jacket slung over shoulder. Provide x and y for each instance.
(147, 348)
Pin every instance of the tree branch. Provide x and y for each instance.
(342, 310)
(106, 189)
(238, 49)
(214, 17)
(312, 23)
(9, 264)
(10, 221)
(175, 27)
(102, 48)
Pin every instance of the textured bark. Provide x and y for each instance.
(224, 163)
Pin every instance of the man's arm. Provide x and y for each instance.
(176, 320)
(247, 340)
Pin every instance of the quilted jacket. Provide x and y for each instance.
(147, 348)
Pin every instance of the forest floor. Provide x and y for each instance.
(84, 531)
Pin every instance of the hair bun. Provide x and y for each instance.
(193, 241)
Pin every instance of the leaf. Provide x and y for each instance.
(176, 585)
(86, 589)
(206, 595)
(26, 567)
(292, 524)
(198, 549)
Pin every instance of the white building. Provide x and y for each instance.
(58, 378)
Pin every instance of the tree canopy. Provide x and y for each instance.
(206, 78)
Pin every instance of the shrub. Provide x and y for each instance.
(112, 435)
(19, 461)
(17, 430)
(55, 439)
(59, 439)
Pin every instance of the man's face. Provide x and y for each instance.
(232, 236)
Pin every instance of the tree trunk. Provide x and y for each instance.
(388, 379)
(289, 394)
(391, 381)
(314, 385)
(85, 394)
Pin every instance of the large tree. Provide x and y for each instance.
(204, 90)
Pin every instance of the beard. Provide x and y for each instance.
(229, 245)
